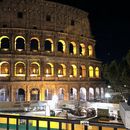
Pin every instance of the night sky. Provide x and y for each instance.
(110, 26)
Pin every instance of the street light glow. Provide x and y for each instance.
(107, 95)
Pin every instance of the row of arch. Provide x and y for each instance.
(35, 93)
(20, 45)
(49, 69)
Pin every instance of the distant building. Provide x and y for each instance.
(46, 49)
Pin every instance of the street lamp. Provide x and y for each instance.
(109, 86)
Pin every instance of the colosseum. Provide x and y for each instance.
(47, 49)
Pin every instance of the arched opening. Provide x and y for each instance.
(91, 94)
(61, 70)
(20, 69)
(4, 43)
(72, 48)
(48, 45)
(90, 50)
(49, 70)
(73, 71)
(82, 70)
(4, 68)
(82, 49)
(83, 93)
(97, 93)
(34, 94)
(19, 43)
(61, 94)
(34, 45)
(61, 46)
(20, 95)
(4, 94)
(73, 94)
(48, 94)
(91, 72)
(97, 72)
(34, 69)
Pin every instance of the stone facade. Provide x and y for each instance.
(46, 49)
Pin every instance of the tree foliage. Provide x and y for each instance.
(118, 74)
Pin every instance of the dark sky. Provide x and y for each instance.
(110, 25)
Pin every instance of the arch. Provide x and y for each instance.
(48, 45)
(82, 49)
(20, 69)
(34, 94)
(91, 72)
(73, 71)
(61, 94)
(72, 48)
(91, 93)
(4, 94)
(20, 43)
(82, 71)
(4, 68)
(34, 44)
(97, 93)
(20, 95)
(49, 69)
(90, 50)
(34, 69)
(97, 72)
(83, 94)
(73, 94)
(61, 46)
(48, 94)
(61, 70)
(4, 43)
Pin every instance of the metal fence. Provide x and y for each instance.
(72, 123)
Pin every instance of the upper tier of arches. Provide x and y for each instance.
(49, 45)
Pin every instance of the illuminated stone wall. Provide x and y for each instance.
(46, 49)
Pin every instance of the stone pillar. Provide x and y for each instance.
(12, 42)
(66, 93)
(27, 43)
(12, 69)
(95, 94)
(77, 48)
(68, 69)
(42, 69)
(78, 94)
(27, 93)
(12, 93)
(67, 47)
(42, 93)
(55, 70)
(87, 93)
(27, 69)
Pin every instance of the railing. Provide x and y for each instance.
(69, 123)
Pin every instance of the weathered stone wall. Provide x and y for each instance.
(43, 15)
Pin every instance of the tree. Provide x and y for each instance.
(111, 73)
(118, 74)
